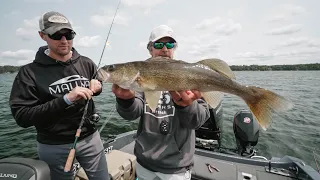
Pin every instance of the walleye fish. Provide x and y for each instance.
(212, 77)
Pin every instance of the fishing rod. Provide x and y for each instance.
(72, 151)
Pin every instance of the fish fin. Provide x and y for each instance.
(164, 60)
(152, 98)
(213, 98)
(263, 103)
(158, 58)
(220, 66)
(145, 85)
(131, 83)
(135, 78)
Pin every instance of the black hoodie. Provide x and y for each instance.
(37, 97)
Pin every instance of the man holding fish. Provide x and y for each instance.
(166, 94)
(166, 138)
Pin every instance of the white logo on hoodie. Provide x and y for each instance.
(66, 84)
(164, 108)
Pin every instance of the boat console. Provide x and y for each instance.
(208, 136)
(23, 169)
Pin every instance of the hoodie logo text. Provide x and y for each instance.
(164, 108)
(66, 84)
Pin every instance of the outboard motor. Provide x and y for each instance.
(23, 169)
(246, 131)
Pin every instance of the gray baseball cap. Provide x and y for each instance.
(51, 22)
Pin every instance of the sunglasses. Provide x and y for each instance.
(58, 35)
(160, 45)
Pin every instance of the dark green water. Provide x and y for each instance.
(295, 133)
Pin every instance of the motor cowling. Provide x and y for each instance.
(24, 169)
(246, 131)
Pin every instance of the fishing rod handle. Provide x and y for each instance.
(69, 162)
(78, 132)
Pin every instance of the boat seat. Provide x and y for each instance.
(24, 169)
(121, 166)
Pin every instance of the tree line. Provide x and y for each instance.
(294, 67)
(9, 69)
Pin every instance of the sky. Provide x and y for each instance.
(242, 32)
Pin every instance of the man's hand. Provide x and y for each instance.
(78, 93)
(185, 98)
(122, 93)
(95, 86)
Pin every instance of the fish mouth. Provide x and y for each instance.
(103, 75)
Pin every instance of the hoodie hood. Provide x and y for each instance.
(44, 59)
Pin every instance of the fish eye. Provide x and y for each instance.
(111, 68)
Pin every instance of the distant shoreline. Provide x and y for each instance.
(284, 67)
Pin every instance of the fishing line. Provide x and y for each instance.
(71, 155)
(107, 120)
(315, 160)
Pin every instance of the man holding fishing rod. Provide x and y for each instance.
(165, 142)
(51, 93)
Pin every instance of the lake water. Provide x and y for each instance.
(295, 133)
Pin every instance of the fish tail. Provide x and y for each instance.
(263, 103)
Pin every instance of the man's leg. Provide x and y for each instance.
(55, 156)
(180, 176)
(91, 156)
(145, 174)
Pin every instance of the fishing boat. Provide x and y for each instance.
(211, 159)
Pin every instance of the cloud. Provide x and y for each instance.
(105, 18)
(293, 9)
(219, 26)
(20, 57)
(295, 41)
(29, 28)
(144, 4)
(12, 13)
(143, 44)
(285, 12)
(200, 46)
(173, 22)
(288, 29)
(278, 18)
(291, 56)
(87, 41)
(300, 41)
(204, 49)
(44, 1)
(256, 55)
(229, 28)
(208, 23)
(312, 43)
